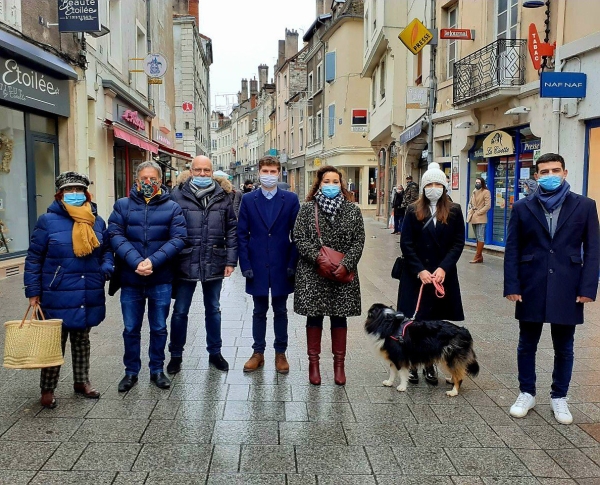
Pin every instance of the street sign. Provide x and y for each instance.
(178, 135)
(415, 36)
(563, 85)
(82, 16)
(416, 97)
(457, 34)
(187, 107)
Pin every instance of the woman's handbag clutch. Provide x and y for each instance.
(329, 260)
(398, 268)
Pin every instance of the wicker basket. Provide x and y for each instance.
(33, 343)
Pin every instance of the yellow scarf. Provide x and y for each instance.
(84, 237)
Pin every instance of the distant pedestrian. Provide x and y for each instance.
(550, 271)
(147, 231)
(68, 263)
(169, 185)
(399, 211)
(479, 205)
(268, 259)
(529, 187)
(248, 186)
(224, 180)
(209, 256)
(342, 229)
(411, 192)
(433, 238)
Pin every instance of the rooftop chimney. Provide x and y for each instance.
(253, 86)
(263, 76)
(186, 7)
(321, 7)
(244, 90)
(291, 43)
(280, 53)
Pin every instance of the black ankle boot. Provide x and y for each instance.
(431, 375)
(413, 376)
(174, 367)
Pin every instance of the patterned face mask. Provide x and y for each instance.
(149, 188)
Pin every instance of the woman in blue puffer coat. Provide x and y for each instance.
(68, 262)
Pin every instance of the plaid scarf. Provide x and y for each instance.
(203, 194)
(329, 206)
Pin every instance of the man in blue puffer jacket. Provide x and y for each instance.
(147, 231)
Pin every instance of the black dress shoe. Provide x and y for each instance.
(160, 380)
(174, 366)
(127, 383)
(431, 375)
(219, 362)
(413, 376)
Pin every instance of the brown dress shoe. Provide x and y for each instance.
(47, 400)
(257, 360)
(86, 389)
(281, 363)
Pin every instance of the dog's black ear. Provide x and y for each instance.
(399, 316)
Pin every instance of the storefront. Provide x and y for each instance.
(34, 94)
(591, 185)
(504, 159)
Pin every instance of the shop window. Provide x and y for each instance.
(42, 124)
(452, 16)
(593, 165)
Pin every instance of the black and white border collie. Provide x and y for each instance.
(424, 343)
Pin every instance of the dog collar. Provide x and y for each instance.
(399, 337)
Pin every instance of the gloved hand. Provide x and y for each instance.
(248, 274)
(108, 270)
(291, 272)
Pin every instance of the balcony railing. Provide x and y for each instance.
(498, 65)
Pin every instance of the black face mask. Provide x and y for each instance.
(247, 189)
(477, 186)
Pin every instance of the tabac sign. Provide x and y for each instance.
(498, 144)
(415, 36)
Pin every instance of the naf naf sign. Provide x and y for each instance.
(563, 85)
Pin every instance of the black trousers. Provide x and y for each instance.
(336, 322)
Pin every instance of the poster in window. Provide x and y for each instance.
(455, 173)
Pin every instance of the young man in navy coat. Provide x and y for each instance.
(550, 270)
(268, 259)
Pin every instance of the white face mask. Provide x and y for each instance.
(433, 193)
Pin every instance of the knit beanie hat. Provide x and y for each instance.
(434, 174)
(72, 179)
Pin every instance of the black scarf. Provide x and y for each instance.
(552, 200)
(203, 194)
(329, 206)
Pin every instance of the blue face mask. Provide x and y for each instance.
(202, 182)
(330, 191)
(74, 198)
(550, 183)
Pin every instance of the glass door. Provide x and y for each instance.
(44, 158)
(503, 196)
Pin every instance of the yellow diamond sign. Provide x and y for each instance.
(415, 36)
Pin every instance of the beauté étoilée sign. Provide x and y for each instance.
(78, 16)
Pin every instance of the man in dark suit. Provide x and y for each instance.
(550, 270)
(268, 259)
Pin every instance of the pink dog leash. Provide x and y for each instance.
(439, 292)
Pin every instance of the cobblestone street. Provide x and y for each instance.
(264, 428)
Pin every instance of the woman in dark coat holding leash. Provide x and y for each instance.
(68, 262)
(342, 228)
(433, 238)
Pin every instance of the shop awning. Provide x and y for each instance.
(133, 138)
(174, 153)
(412, 131)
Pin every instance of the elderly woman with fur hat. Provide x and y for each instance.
(433, 238)
(68, 262)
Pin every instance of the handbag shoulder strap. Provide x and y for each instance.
(317, 222)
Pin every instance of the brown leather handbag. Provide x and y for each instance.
(329, 260)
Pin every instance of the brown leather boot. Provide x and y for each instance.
(281, 363)
(338, 347)
(86, 389)
(257, 360)
(478, 258)
(47, 400)
(313, 344)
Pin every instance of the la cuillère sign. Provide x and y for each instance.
(78, 16)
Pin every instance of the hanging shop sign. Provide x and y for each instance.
(415, 36)
(498, 144)
(538, 49)
(24, 85)
(155, 67)
(78, 16)
(159, 137)
(132, 118)
(416, 97)
(530, 145)
(457, 34)
(411, 132)
(563, 85)
(455, 173)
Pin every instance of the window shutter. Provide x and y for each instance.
(331, 119)
(330, 67)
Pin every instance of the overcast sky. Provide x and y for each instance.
(245, 34)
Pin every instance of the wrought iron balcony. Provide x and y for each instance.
(497, 69)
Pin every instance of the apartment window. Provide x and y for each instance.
(374, 15)
(382, 79)
(446, 148)
(292, 120)
(301, 138)
(374, 89)
(319, 76)
(506, 20)
(292, 142)
(141, 50)
(331, 118)
(452, 16)
(319, 125)
(301, 114)
(310, 82)
(114, 22)
(330, 67)
(311, 132)
(285, 81)
(366, 28)
(187, 125)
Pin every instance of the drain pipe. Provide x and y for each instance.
(560, 63)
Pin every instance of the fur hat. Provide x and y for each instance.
(434, 174)
(72, 179)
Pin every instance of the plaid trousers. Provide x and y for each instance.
(80, 353)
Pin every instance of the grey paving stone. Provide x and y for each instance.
(108, 456)
(25, 455)
(204, 410)
(122, 409)
(246, 432)
(509, 481)
(165, 409)
(9, 405)
(456, 414)
(320, 459)
(267, 459)
(319, 393)
(280, 392)
(130, 478)
(413, 480)
(182, 458)
(423, 461)
(168, 478)
(547, 437)
(515, 437)
(441, 435)
(225, 459)
(576, 436)
(73, 478)
(390, 433)
(346, 480)
(575, 463)
(317, 433)
(540, 464)
(382, 460)
(254, 411)
(487, 462)
(246, 479)
(65, 456)
(298, 479)
(178, 431)
(43, 429)
(198, 391)
(458, 480)
(382, 413)
(15, 477)
(330, 411)
(238, 392)
(296, 411)
(486, 436)
(111, 430)
(69, 408)
(424, 414)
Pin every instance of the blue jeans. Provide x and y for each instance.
(259, 323)
(133, 306)
(563, 337)
(212, 316)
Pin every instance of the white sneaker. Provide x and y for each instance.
(561, 410)
(522, 405)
